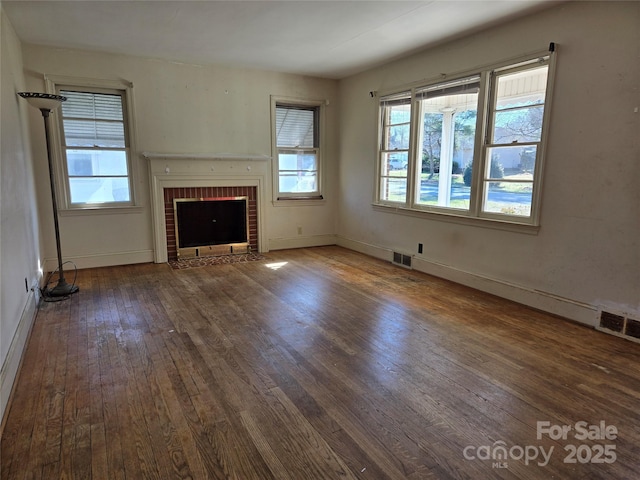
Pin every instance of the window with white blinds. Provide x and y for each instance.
(96, 148)
(297, 140)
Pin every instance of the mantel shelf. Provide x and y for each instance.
(204, 156)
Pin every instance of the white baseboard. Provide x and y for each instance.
(11, 364)
(547, 302)
(302, 242)
(101, 260)
(366, 248)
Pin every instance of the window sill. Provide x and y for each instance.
(299, 201)
(72, 212)
(460, 219)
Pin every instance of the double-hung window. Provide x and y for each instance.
(446, 139)
(469, 146)
(394, 150)
(96, 143)
(513, 145)
(298, 154)
(95, 147)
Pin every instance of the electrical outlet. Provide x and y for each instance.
(419, 248)
(299, 230)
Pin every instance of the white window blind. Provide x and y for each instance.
(296, 127)
(462, 86)
(93, 120)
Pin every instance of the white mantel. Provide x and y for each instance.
(171, 170)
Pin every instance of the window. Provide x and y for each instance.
(394, 151)
(95, 143)
(447, 124)
(297, 143)
(514, 140)
(470, 146)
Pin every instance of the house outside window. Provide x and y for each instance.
(475, 146)
(96, 143)
(297, 143)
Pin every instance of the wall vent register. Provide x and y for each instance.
(619, 325)
(401, 259)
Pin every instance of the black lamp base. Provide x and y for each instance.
(62, 289)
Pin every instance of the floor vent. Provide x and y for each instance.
(620, 326)
(402, 260)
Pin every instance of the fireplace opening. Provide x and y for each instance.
(211, 226)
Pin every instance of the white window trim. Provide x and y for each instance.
(298, 200)
(410, 150)
(475, 215)
(52, 83)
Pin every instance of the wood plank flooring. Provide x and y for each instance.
(315, 363)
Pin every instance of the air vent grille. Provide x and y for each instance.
(620, 326)
(612, 322)
(633, 328)
(402, 260)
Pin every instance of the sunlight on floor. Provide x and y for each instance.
(276, 266)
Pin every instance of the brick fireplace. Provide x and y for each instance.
(206, 176)
(208, 192)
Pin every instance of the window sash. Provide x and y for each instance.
(395, 119)
(522, 121)
(443, 107)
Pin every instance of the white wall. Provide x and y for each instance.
(19, 251)
(586, 254)
(182, 108)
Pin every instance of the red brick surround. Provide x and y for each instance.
(208, 192)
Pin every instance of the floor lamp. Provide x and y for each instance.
(46, 102)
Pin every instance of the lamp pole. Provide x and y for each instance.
(46, 103)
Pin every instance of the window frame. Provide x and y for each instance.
(397, 98)
(461, 83)
(55, 84)
(486, 95)
(299, 198)
(489, 141)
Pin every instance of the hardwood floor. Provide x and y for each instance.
(313, 364)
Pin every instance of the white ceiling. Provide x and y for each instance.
(329, 38)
